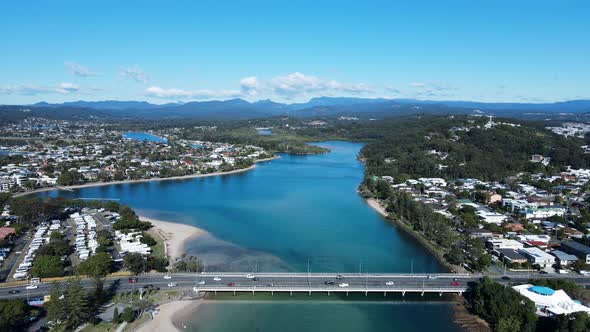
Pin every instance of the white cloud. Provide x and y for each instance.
(66, 88)
(418, 84)
(298, 84)
(158, 92)
(32, 90)
(137, 74)
(79, 70)
(249, 86)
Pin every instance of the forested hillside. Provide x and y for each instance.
(461, 147)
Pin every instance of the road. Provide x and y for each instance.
(284, 282)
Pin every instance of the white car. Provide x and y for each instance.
(172, 284)
(167, 276)
(343, 285)
(389, 283)
(32, 287)
(202, 282)
(250, 276)
(217, 279)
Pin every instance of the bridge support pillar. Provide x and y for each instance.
(234, 293)
(309, 293)
(215, 292)
(422, 293)
(346, 293)
(252, 292)
(272, 293)
(404, 293)
(384, 294)
(366, 293)
(440, 294)
(328, 293)
(291, 292)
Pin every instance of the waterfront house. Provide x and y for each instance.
(537, 256)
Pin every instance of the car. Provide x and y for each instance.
(343, 285)
(217, 279)
(172, 284)
(132, 280)
(431, 277)
(543, 272)
(202, 282)
(231, 284)
(167, 276)
(505, 278)
(250, 276)
(270, 285)
(328, 282)
(14, 291)
(254, 279)
(455, 283)
(454, 279)
(389, 283)
(32, 287)
(339, 277)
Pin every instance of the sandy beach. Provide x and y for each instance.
(183, 177)
(377, 206)
(174, 234)
(169, 313)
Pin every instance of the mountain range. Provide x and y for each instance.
(242, 109)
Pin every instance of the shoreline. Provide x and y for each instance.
(175, 235)
(180, 177)
(425, 243)
(171, 315)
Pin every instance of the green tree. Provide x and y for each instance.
(134, 262)
(13, 314)
(76, 304)
(128, 315)
(98, 265)
(47, 267)
(116, 318)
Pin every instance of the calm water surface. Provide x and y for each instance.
(140, 136)
(284, 215)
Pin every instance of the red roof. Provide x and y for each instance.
(6, 231)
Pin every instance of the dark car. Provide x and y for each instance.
(231, 284)
(329, 282)
(132, 280)
(543, 272)
(254, 279)
(505, 278)
(339, 277)
(14, 291)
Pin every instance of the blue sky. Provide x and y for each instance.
(168, 51)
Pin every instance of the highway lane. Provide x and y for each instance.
(280, 282)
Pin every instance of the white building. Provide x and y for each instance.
(537, 256)
(550, 302)
(504, 244)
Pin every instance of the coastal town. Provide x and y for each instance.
(79, 153)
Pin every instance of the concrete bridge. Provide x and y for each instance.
(332, 283)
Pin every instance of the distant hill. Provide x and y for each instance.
(315, 107)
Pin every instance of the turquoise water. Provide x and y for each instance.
(319, 314)
(139, 136)
(278, 217)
